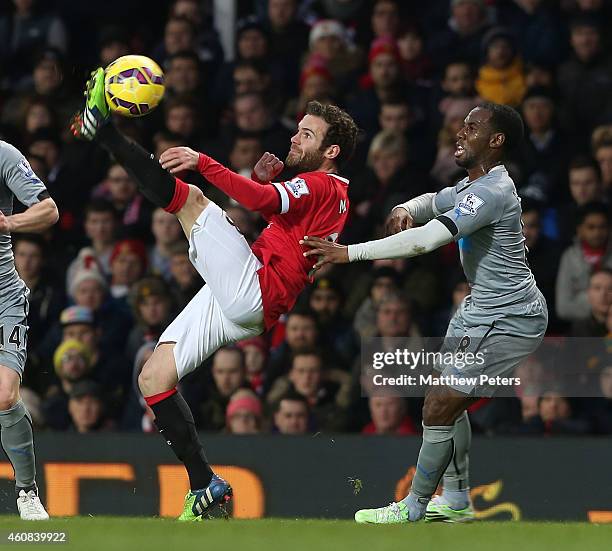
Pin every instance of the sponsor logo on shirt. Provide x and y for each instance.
(469, 205)
(297, 187)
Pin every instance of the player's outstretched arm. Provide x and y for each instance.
(411, 242)
(36, 218)
(252, 195)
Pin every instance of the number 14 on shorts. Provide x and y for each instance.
(15, 336)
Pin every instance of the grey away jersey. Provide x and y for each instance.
(17, 179)
(485, 218)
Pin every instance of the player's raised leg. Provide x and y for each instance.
(18, 444)
(442, 408)
(155, 183)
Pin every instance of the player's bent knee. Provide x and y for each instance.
(159, 372)
(8, 397)
(191, 210)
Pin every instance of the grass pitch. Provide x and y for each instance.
(152, 534)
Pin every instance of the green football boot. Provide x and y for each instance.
(96, 113)
(394, 513)
(200, 502)
(438, 510)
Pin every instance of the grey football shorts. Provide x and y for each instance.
(13, 330)
(500, 340)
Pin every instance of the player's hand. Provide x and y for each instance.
(399, 220)
(268, 167)
(177, 159)
(5, 224)
(327, 251)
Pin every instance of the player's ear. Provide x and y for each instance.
(497, 140)
(332, 151)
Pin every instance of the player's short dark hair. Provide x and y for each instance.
(292, 396)
(100, 205)
(508, 121)
(342, 129)
(594, 207)
(584, 161)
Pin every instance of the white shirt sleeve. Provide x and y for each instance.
(407, 243)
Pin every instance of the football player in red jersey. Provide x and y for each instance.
(247, 288)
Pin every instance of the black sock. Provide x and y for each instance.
(175, 423)
(155, 183)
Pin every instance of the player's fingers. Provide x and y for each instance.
(314, 252)
(171, 163)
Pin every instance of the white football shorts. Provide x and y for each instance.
(229, 307)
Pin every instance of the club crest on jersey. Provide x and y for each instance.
(469, 205)
(297, 187)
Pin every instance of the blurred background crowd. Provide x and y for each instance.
(108, 278)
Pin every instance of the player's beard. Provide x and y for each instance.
(308, 162)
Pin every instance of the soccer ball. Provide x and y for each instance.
(134, 85)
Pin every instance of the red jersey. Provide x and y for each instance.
(314, 204)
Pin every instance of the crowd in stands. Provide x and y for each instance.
(114, 271)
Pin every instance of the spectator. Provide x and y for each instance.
(599, 297)
(599, 408)
(585, 80)
(244, 413)
(501, 78)
(46, 297)
(166, 230)
(326, 300)
(255, 352)
(329, 44)
(244, 154)
(602, 151)
(73, 362)
(26, 31)
(463, 37)
(543, 255)
(584, 187)
(128, 262)
(458, 88)
(151, 304)
(316, 84)
(385, 20)
(113, 43)
(87, 409)
(182, 119)
(291, 414)
(416, 63)
(186, 281)
(389, 416)
(253, 116)
(325, 389)
(590, 252)
(384, 280)
(228, 374)
(182, 75)
(301, 333)
(538, 32)
(554, 416)
(543, 151)
(120, 189)
(100, 228)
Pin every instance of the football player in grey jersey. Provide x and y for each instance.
(17, 180)
(505, 316)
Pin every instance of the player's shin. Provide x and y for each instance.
(434, 457)
(155, 183)
(456, 481)
(175, 423)
(18, 443)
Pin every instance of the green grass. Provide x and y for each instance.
(151, 534)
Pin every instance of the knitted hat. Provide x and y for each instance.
(69, 346)
(324, 28)
(383, 45)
